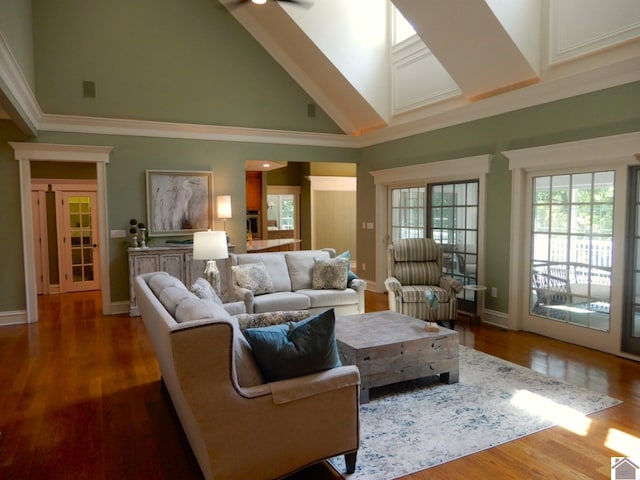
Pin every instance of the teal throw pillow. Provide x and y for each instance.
(295, 349)
(350, 274)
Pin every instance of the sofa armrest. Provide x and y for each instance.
(392, 284)
(235, 308)
(292, 389)
(358, 284)
(450, 283)
(246, 296)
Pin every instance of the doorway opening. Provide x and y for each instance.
(25, 153)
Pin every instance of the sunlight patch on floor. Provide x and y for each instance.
(624, 443)
(564, 416)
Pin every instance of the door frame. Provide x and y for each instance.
(466, 168)
(41, 250)
(616, 151)
(24, 154)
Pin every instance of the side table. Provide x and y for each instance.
(479, 289)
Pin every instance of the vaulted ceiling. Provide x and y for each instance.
(469, 59)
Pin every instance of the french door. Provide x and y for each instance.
(448, 213)
(78, 254)
(631, 313)
(571, 258)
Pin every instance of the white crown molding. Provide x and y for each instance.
(18, 87)
(146, 128)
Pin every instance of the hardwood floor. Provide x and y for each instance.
(80, 398)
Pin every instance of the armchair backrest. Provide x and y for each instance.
(415, 261)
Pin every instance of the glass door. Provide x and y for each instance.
(453, 222)
(449, 215)
(631, 314)
(571, 256)
(77, 237)
(407, 212)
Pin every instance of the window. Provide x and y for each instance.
(402, 29)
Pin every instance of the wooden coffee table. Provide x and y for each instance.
(388, 347)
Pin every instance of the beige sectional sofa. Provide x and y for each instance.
(239, 426)
(292, 279)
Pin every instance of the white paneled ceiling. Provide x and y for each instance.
(465, 52)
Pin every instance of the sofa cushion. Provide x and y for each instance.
(266, 319)
(254, 277)
(300, 266)
(171, 297)
(295, 349)
(275, 264)
(193, 308)
(280, 301)
(162, 280)
(330, 274)
(329, 298)
(203, 289)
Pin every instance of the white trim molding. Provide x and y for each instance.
(24, 100)
(24, 154)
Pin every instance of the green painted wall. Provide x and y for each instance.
(132, 156)
(12, 271)
(190, 61)
(15, 25)
(607, 112)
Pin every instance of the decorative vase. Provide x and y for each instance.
(143, 241)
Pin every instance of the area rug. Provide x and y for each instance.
(416, 425)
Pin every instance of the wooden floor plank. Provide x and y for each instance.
(80, 398)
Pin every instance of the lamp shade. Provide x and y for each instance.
(223, 206)
(210, 245)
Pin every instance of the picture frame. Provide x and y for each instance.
(178, 202)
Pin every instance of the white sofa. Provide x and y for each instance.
(238, 426)
(291, 274)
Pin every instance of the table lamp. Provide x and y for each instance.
(224, 210)
(210, 246)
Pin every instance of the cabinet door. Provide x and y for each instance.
(254, 190)
(172, 264)
(194, 269)
(145, 264)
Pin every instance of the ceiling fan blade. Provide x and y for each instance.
(300, 3)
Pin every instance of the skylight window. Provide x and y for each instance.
(402, 29)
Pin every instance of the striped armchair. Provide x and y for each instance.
(416, 285)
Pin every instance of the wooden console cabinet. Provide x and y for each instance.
(177, 261)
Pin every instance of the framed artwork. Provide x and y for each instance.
(178, 202)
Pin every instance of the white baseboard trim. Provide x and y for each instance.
(16, 317)
(495, 318)
(120, 308)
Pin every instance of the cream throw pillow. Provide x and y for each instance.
(330, 274)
